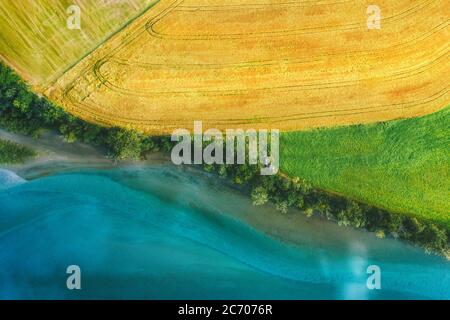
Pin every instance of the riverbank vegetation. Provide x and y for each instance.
(294, 193)
(11, 152)
(23, 111)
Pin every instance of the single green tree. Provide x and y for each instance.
(259, 196)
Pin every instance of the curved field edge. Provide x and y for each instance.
(121, 84)
(401, 166)
(23, 111)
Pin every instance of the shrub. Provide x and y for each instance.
(259, 196)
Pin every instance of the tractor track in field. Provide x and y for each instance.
(91, 74)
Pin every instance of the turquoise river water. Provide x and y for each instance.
(159, 232)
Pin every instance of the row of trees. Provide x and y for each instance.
(295, 193)
(23, 111)
(11, 152)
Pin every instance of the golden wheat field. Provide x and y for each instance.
(264, 64)
(35, 40)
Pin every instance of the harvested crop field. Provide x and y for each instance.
(36, 41)
(264, 64)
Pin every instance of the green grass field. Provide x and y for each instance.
(11, 152)
(402, 166)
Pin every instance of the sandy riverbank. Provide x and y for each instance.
(54, 154)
